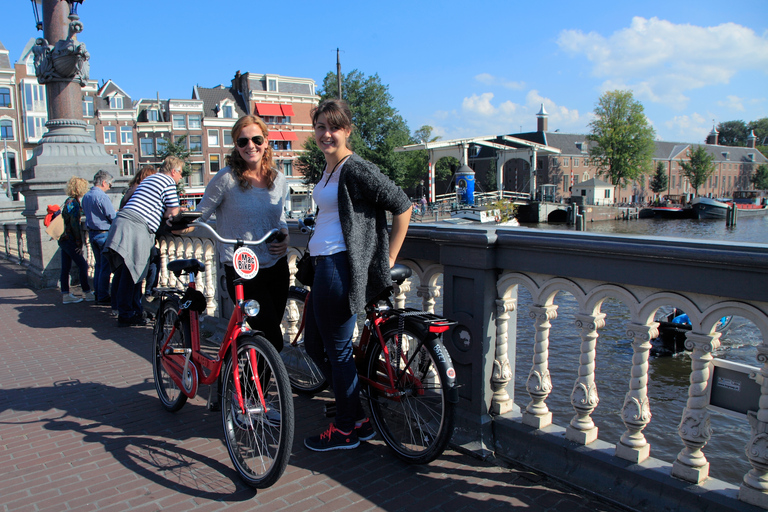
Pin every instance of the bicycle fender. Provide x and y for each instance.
(446, 369)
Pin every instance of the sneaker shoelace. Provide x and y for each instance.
(326, 436)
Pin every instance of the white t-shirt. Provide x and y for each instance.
(328, 238)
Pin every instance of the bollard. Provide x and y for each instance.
(579, 222)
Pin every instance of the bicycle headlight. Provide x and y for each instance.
(251, 308)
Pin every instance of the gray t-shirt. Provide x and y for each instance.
(247, 214)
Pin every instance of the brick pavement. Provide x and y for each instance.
(81, 429)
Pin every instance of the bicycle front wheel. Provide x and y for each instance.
(306, 378)
(259, 439)
(171, 397)
(415, 418)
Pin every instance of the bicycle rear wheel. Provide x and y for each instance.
(417, 420)
(259, 440)
(306, 378)
(171, 397)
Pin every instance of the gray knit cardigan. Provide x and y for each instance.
(365, 195)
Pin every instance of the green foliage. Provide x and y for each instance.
(660, 181)
(624, 140)
(508, 209)
(698, 168)
(379, 128)
(760, 178)
(311, 162)
(732, 133)
(178, 148)
(445, 167)
(760, 127)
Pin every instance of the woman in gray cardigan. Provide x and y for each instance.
(352, 253)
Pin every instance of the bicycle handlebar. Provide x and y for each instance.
(273, 235)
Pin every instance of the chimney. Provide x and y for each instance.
(541, 120)
(751, 140)
(712, 137)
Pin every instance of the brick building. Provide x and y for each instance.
(10, 131)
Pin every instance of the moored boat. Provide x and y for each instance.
(672, 212)
(747, 205)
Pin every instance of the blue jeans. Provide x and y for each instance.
(68, 255)
(101, 268)
(127, 296)
(328, 335)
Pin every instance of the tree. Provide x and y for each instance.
(311, 162)
(760, 127)
(660, 181)
(732, 133)
(698, 168)
(624, 140)
(178, 148)
(760, 178)
(379, 129)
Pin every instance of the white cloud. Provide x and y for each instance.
(479, 105)
(733, 103)
(660, 60)
(488, 79)
(688, 128)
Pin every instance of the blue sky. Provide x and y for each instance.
(466, 68)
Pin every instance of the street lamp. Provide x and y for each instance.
(36, 9)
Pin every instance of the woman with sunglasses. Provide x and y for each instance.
(248, 199)
(352, 253)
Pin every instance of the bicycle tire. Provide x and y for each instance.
(417, 423)
(171, 397)
(306, 378)
(259, 442)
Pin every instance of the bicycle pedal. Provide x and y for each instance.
(330, 410)
(176, 351)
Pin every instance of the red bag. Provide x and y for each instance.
(53, 211)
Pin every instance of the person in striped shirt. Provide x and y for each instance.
(132, 236)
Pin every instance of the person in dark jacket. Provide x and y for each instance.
(71, 242)
(352, 253)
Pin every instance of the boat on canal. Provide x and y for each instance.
(748, 202)
(673, 212)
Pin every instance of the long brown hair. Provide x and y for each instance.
(145, 171)
(236, 162)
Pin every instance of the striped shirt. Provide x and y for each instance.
(152, 197)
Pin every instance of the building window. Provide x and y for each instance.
(194, 122)
(126, 135)
(272, 84)
(281, 145)
(152, 116)
(88, 106)
(35, 127)
(195, 179)
(11, 158)
(91, 131)
(575, 162)
(565, 160)
(607, 193)
(213, 137)
(116, 103)
(196, 144)
(179, 122)
(227, 138)
(110, 135)
(288, 168)
(147, 147)
(34, 98)
(128, 168)
(214, 163)
(228, 112)
(182, 140)
(6, 130)
(5, 97)
(162, 145)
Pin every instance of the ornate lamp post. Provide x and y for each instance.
(66, 150)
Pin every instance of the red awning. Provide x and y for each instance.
(290, 136)
(287, 110)
(275, 135)
(269, 109)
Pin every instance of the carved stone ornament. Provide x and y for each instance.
(66, 61)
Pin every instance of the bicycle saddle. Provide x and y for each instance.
(400, 273)
(191, 266)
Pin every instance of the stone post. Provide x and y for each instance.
(66, 150)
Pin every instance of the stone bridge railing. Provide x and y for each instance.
(475, 274)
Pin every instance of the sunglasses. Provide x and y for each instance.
(243, 141)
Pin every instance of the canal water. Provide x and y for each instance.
(668, 376)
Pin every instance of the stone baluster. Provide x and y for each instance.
(7, 238)
(754, 487)
(539, 384)
(584, 397)
(502, 372)
(209, 258)
(400, 293)
(428, 295)
(172, 255)
(163, 246)
(636, 411)
(694, 429)
(20, 242)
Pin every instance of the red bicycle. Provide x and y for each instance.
(405, 372)
(256, 401)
